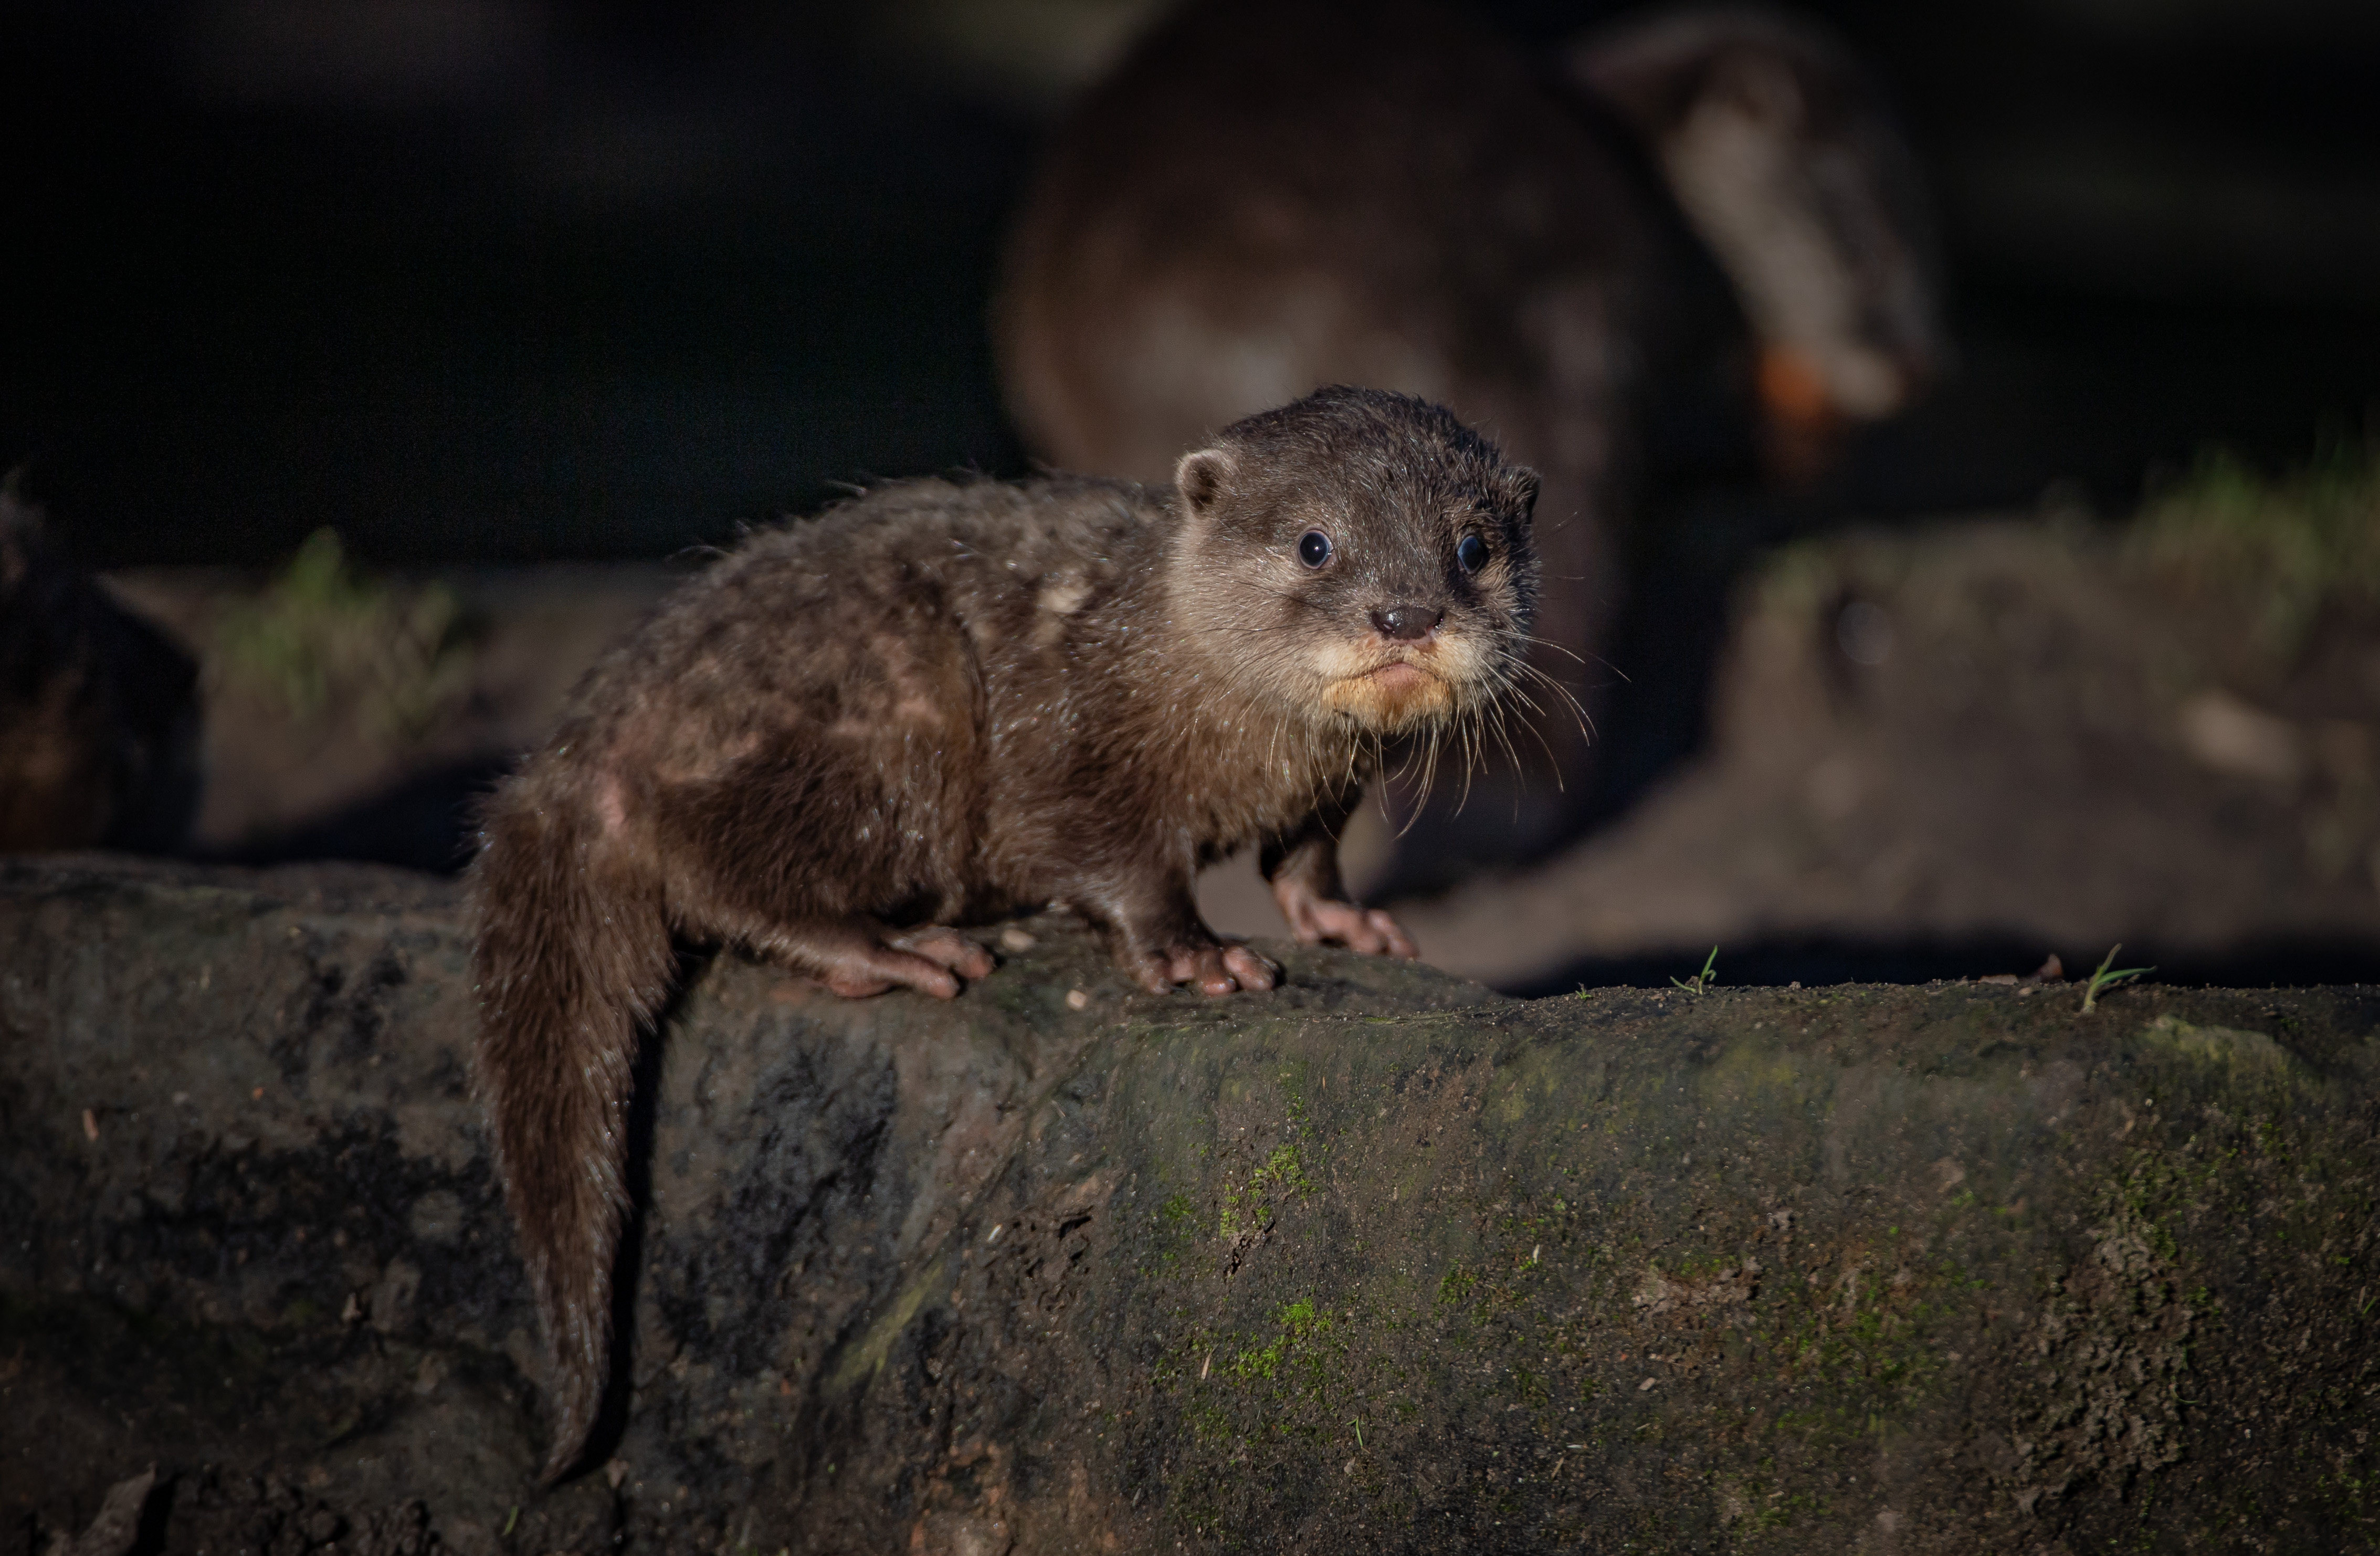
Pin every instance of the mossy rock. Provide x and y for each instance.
(1378, 1261)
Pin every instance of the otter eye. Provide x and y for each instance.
(1314, 548)
(1472, 553)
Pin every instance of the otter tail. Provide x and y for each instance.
(571, 957)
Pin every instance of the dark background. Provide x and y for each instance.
(476, 280)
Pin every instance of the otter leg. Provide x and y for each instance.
(1304, 870)
(857, 956)
(1153, 933)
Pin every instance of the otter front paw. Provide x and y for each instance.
(1208, 968)
(1315, 919)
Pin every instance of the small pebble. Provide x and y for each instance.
(1077, 999)
(1014, 939)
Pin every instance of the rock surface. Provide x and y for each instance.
(1379, 1261)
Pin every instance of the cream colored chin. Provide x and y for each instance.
(1392, 699)
(1390, 691)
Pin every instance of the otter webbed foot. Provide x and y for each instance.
(1158, 940)
(1317, 919)
(1211, 968)
(862, 958)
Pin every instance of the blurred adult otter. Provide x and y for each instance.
(99, 714)
(1265, 196)
(1779, 152)
(943, 704)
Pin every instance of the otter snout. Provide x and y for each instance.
(1407, 623)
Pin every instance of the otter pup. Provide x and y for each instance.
(942, 703)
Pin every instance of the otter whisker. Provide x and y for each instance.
(1577, 709)
(1532, 641)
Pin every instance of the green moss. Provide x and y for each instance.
(1302, 1329)
(867, 1358)
(2252, 1057)
(1248, 1206)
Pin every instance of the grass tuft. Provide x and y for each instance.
(2299, 545)
(2103, 980)
(319, 637)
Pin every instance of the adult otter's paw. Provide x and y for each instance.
(1316, 920)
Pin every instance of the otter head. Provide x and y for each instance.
(1783, 158)
(1357, 559)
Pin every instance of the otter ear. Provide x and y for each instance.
(1520, 487)
(1200, 476)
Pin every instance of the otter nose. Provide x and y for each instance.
(1406, 623)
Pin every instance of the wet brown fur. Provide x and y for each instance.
(942, 703)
